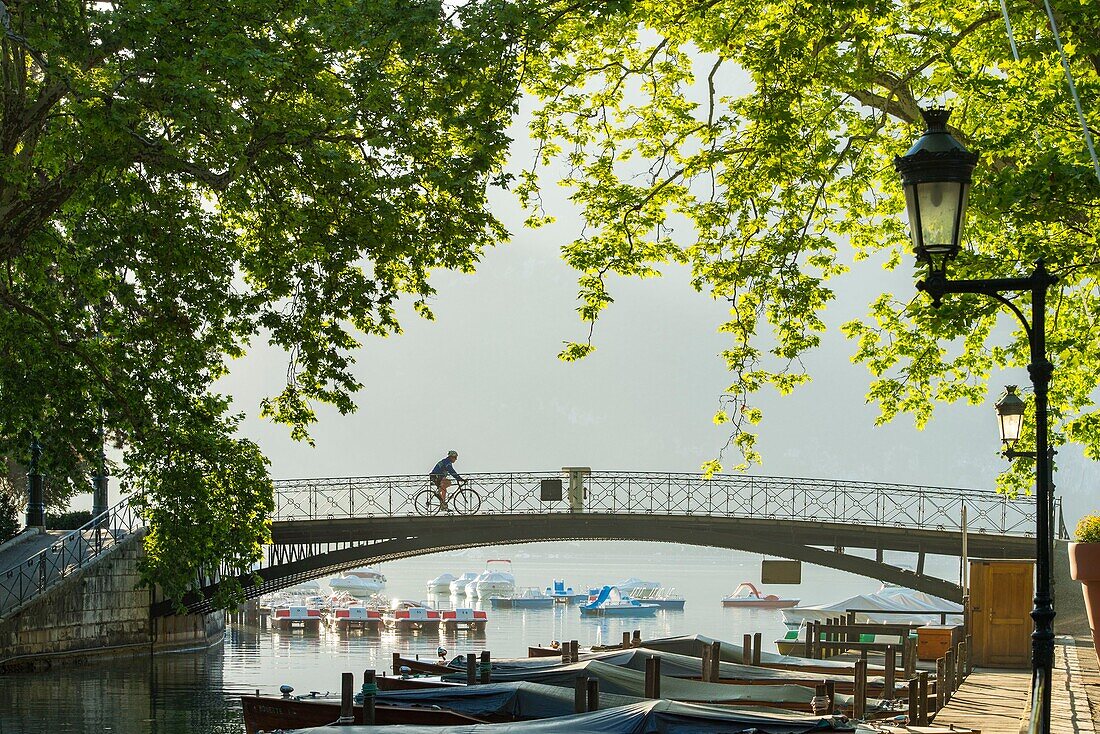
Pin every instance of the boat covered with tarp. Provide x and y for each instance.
(889, 605)
(642, 717)
(625, 681)
(692, 646)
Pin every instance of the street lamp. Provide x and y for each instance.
(1010, 417)
(935, 175)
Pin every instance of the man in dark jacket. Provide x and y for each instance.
(439, 474)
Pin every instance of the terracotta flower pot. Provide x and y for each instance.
(1084, 566)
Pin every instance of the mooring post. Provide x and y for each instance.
(859, 701)
(757, 639)
(939, 683)
(830, 693)
(397, 663)
(948, 675)
(347, 710)
(818, 705)
(914, 702)
(715, 661)
(746, 650)
(486, 666)
(471, 669)
(593, 694)
(626, 640)
(960, 664)
(636, 639)
(922, 696)
(370, 690)
(809, 651)
(706, 663)
(580, 694)
(574, 651)
(889, 670)
(653, 677)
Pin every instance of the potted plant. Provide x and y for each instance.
(1084, 566)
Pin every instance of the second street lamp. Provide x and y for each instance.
(935, 175)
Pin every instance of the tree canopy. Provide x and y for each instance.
(181, 178)
(784, 186)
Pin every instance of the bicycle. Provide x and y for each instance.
(461, 501)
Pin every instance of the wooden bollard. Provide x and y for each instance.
(939, 683)
(830, 693)
(580, 694)
(574, 651)
(471, 669)
(757, 640)
(370, 690)
(593, 694)
(486, 666)
(948, 676)
(626, 640)
(809, 651)
(859, 701)
(715, 661)
(889, 670)
(960, 665)
(347, 708)
(909, 657)
(746, 650)
(397, 663)
(636, 639)
(914, 702)
(706, 664)
(922, 698)
(818, 705)
(653, 677)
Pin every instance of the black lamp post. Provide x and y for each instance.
(935, 174)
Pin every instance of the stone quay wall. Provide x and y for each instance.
(100, 611)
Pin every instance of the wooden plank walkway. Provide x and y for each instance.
(992, 701)
(996, 701)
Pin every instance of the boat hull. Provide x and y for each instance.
(626, 611)
(505, 603)
(270, 713)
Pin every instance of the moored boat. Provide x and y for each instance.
(361, 582)
(530, 598)
(609, 601)
(464, 618)
(441, 584)
(562, 594)
(407, 615)
(351, 617)
(889, 605)
(496, 580)
(458, 586)
(296, 617)
(748, 596)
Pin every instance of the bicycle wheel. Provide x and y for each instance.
(465, 501)
(427, 502)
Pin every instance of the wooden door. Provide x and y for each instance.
(1000, 606)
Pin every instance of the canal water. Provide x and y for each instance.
(198, 693)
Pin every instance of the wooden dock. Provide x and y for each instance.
(996, 701)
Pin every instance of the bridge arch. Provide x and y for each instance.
(326, 526)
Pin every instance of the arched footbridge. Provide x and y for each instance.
(324, 526)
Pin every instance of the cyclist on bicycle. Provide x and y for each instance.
(439, 474)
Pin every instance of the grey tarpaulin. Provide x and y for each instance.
(645, 717)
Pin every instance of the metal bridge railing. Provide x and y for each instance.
(22, 583)
(775, 498)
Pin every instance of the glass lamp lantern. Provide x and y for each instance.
(935, 176)
(1010, 416)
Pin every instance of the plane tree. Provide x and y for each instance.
(754, 142)
(183, 178)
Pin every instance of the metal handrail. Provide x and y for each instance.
(25, 581)
(743, 496)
